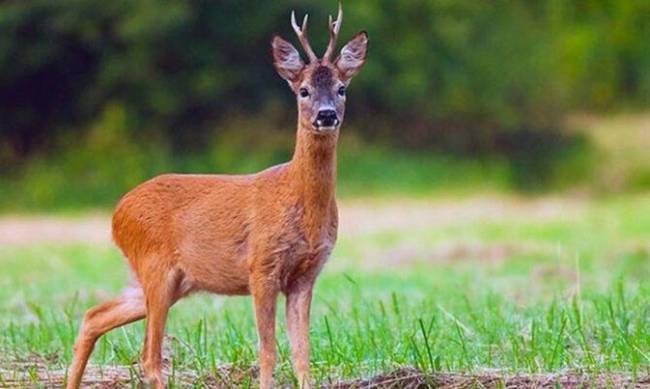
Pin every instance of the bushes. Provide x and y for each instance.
(79, 179)
(462, 72)
(94, 170)
(461, 77)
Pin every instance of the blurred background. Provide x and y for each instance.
(456, 96)
(494, 181)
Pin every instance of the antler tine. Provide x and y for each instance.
(334, 28)
(302, 36)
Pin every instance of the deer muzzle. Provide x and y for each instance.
(326, 120)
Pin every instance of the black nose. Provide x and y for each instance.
(326, 118)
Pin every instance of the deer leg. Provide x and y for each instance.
(143, 353)
(159, 300)
(298, 306)
(98, 320)
(265, 300)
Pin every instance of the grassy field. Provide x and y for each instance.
(495, 285)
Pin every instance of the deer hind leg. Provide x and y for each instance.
(160, 296)
(124, 309)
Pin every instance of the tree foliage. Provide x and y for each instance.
(462, 76)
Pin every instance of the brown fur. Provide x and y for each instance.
(260, 234)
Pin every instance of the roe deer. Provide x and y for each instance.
(261, 234)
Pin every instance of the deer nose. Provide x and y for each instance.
(326, 118)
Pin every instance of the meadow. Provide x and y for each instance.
(475, 286)
(493, 177)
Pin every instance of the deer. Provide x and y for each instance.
(261, 234)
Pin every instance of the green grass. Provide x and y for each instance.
(522, 292)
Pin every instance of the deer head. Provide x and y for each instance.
(320, 84)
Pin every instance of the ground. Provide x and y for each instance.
(496, 291)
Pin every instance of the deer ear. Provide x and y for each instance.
(353, 56)
(286, 59)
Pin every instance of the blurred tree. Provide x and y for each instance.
(461, 76)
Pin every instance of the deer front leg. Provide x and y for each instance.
(298, 306)
(265, 299)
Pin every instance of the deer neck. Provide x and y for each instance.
(313, 170)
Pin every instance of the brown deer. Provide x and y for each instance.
(261, 234)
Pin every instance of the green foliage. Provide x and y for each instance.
(79, 176)
(94, 171)
(460, 73)
(153, 85)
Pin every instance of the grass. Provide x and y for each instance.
(524, 289)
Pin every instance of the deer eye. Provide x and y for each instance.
(341, 91)
(304, 92)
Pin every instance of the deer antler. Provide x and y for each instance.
(302, 36)
(334, 28)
